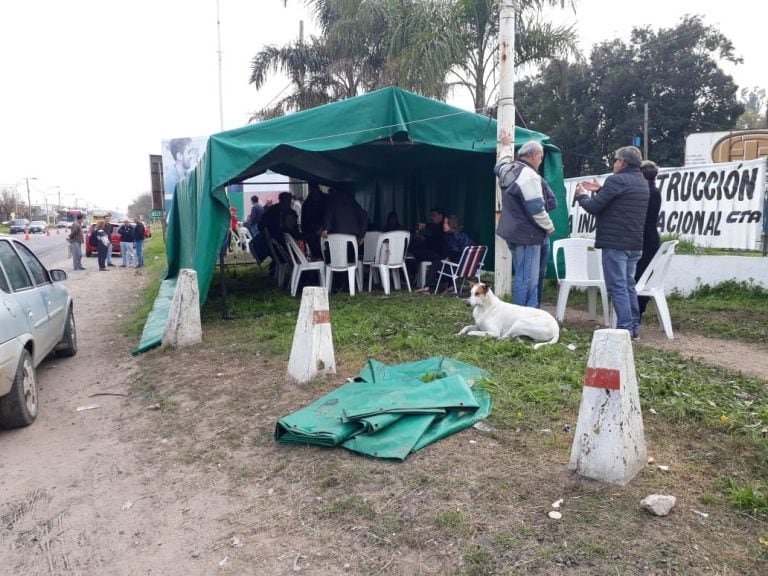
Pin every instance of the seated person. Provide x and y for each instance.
(312, 213)
(428, 244)
(393, 223)
(453, 246)
(343, 215)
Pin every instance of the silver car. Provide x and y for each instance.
(36, 318)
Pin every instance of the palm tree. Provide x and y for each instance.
(427, 46)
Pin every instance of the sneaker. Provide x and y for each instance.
(110, 264)
(122, 265)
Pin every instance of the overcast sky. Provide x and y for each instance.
(91, 87)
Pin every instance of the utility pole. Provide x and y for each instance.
(29, 201)
(221, 98)
(505, 121)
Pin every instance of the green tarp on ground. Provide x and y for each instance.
(392, 411)
(399, 150)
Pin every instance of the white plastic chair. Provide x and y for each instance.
(470, 265)
(390, 253)
(337, 245)
(301, 264)
(583, 269)
(369, 254)
(243, 239)
(651, 283)
(281, 260)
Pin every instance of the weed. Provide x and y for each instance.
(477, 561)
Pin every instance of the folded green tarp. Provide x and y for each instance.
(391, 411)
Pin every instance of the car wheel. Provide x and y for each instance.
(19, 407)
(69, 341)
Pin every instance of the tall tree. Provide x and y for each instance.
(141, 205)
(674, 70)
(755, 113)
(426, 46)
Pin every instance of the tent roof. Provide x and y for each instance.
(355, 139)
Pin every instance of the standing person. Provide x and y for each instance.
(313, 212)
(75, 240)
(100, 241)
(108, 228)
(619, 207)
(257, 211)
(524, 220)
(651, 241)
(126, 244)
(138, 238)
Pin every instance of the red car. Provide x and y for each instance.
(91, 251)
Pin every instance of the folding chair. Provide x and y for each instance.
(301, 264)
(583, 269)
(470, 265)
(651, 283)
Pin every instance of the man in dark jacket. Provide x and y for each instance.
(619, 207)
(651, 240)
(524, 220)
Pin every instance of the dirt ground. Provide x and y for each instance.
(103, 484)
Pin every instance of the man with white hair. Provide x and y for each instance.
(524, 220)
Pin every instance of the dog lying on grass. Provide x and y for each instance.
(494, 317)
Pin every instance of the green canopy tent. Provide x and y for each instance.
(399, 150)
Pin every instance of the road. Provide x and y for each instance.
(64, 480)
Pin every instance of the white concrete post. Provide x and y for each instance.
(609, 442)
(183, 325)
(312, 349)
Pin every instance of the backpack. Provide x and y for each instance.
(92, 240)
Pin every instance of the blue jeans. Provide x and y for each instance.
(619, 271)
(525, 258)
(543, 262)
(139, 253)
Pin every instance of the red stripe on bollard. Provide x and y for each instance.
(321, 317)
(603, 378)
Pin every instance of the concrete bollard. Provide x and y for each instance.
(609, 442)
(312, 349)
(183, 325)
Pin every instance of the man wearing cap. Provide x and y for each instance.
(619, 207)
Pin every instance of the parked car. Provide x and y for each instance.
(38, 227)
(36, 318)
(18, 226)
(63, 224)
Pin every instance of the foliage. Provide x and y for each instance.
(141, 205)
(755, 111)
(426, 46)
(591, 109)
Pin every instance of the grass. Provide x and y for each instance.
(480, 509)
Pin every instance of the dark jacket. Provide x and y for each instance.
(126, 233)
(139, 232)
(619, 208)
(454, 245)
(343, 215)
(524, 219)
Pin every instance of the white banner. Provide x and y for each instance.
(714, 205)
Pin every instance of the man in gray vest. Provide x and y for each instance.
(524, 220)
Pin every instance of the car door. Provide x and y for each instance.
(13, 323)
(30, 300)
(54, 295)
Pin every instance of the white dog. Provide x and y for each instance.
(494, 317)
